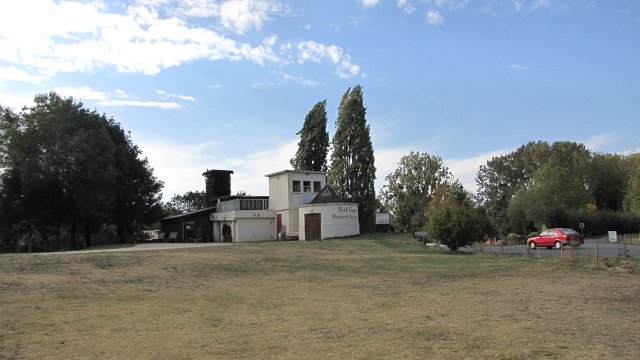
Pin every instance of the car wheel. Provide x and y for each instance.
(557, 245)
(532, 245)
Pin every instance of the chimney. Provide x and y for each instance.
(218, 184)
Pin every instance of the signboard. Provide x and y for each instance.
(345, 213)
(382, 218)
(613, 236)
(581, 226)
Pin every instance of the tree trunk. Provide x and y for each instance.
(58, 235)
(87, 234)
(72, 235)
(30, 238)
(121, 233)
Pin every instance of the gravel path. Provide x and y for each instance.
(146, 247)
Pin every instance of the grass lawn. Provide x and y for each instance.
(367, 297)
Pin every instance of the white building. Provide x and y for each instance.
(300, 206)
(243, 220)
(288, 190)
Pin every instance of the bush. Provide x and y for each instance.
(452, 225)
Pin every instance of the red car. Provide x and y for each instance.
(555, 237)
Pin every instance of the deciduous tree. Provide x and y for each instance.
(68, 167)
(410, 188)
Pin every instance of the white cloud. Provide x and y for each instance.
(519, 68)
(82, 93)
(369, 3)
(137, 103)
(12, 73)
(16, 100)
(435, 18)
(387, 162)
(465, 170)
(600, 141)
(167, 95)
(121, 94)
(406, 6)
(139, 41)
(244, 15)
(316, 52)
(282, 78)
(180, 166)
(517, 5)
(42, 38)
(539, 4)
(449, 4)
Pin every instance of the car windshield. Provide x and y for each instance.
(568, 231)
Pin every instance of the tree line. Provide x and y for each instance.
(560, 184)
(67, 172)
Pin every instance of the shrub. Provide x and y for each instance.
(452, 225)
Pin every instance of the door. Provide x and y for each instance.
(312, 227)
(278, 226)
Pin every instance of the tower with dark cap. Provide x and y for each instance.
(218, 184)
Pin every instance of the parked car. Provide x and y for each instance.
(555, 237)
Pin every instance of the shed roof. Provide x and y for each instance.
(197, 212)
(296, 172)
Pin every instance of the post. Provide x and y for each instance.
(596, 253)
(502, 248)
(561, 248)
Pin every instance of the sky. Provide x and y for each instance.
(226, 84)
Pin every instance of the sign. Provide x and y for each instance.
(382, 218)
(346, 213)
(613, 236)
(581, 226)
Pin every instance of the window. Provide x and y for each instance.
(296, 185)
(316, 186)
(306, 185)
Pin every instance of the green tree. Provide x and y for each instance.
(607, 179)
(352, 172)
(503, 176)
(452, 219)
(137, 195)
(188, 202)
(68, 168)
(409, 189)
(632, 193)
(313, 146)
(551, 190)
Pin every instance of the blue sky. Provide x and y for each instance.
(226, 84)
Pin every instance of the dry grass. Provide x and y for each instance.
(380, 298)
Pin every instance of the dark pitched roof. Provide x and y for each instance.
(326, 195)
(197, 212)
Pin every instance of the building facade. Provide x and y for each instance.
(300, 206)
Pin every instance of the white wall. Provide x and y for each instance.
(284, 201)
(336, 220)
(246, 225)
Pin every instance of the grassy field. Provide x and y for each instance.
(362, 298)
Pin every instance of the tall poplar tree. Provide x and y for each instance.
(314, 141)
(352, 171)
